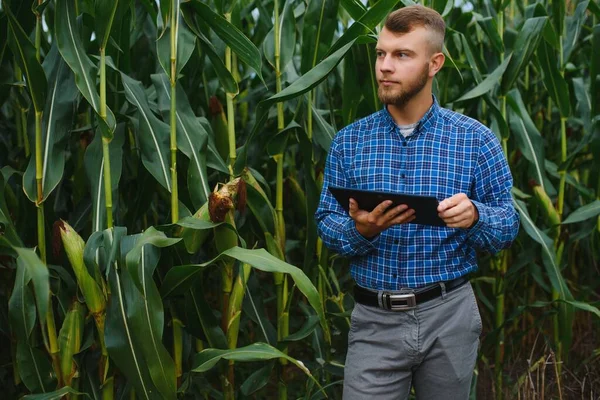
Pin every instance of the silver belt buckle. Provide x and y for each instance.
(399, 302)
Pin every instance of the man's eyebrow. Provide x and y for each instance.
(396, 50)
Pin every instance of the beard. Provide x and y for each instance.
(406, 92)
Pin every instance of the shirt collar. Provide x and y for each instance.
(425, 122)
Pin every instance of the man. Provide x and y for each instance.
(416, 321)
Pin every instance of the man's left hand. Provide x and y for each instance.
(458, 211)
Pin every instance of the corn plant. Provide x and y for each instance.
(161, 164)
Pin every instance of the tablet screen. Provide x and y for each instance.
(425, 206)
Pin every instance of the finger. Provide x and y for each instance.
(454, 211)
(404, 217)
(380, 209)
(394, 212)
(450, 202)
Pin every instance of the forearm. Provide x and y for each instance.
(339, 234)
(496, 227)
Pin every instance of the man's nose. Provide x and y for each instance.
(385, 64)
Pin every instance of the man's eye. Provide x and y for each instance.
(379, 53)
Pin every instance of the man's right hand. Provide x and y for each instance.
(370, 224)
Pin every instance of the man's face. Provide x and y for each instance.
(402, 66)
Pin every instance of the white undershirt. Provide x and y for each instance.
(407, 130)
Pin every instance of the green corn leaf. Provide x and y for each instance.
(230, 34)
(302, 85)
(179, 279)
(73, 52)
(355, 8)
(584, 213)
(584, 104)
(490, 27)
(488, 83)
(225, 77)
(192, 138)
(94, 168)
(34, 368)
(254, 308)
(38, 272)
(553, 81)
(257, 380)
(150, 236)
(56, 395)
(208, 358)
(351, 92)
(25, 57)
(153, 134)
(308, 328)
(323, 131)
(595, 72)
(107, 13)
(9, 237)
(147, 314)
(552, 270)
(262, 209)
(574, 27)
(528, 138)
(56, 123)
(186, 43)
(123, 344)
(584, 306)
(365, 25)
(21, 305)
(527, 42)
(201, 321)
(558, 16)
(287, 38)
(164, 14)
(263, 261)
(312, 199)
(318, 28)
(227, 80)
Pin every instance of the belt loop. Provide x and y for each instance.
(443, 286)
(380, 298)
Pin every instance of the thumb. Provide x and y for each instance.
(353, 207)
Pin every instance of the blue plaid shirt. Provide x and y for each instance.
(447, 153)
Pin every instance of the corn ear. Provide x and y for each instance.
(92, 292)
(235, 305)
(546, 205)
(69, 341)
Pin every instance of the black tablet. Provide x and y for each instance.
(425, 206)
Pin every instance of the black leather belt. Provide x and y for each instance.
(404, 301)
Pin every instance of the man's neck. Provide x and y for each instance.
(412, 111)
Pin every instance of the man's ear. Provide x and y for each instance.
(436, 62)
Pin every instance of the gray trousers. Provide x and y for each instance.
(432, 347)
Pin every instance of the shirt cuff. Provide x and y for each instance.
(482, 220)
(358, 242)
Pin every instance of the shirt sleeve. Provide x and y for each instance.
(498, 222)
(335, 227)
